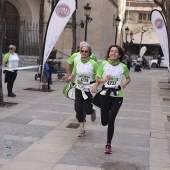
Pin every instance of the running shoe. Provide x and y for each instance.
(81, 133)
(108, 149)
(93, 116)
(13, 94)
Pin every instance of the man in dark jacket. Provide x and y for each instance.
(159, 61)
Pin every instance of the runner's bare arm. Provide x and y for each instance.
(68, 69)
(3, 63)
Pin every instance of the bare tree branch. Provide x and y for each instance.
(161, 4)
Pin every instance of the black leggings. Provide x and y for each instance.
(79, 101)
(11, 76)
(109, 109)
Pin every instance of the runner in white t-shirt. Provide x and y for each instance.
(84, 73)
(75, 58)
(110, 73)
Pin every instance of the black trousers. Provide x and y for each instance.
(109, 109)
(79, 101)
(11, 76)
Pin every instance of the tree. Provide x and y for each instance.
(2, 21)
(41, 30)
(162, 5)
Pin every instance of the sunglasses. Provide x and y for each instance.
(11, 49)
(84, 51)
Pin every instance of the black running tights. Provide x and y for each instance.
(109, 109)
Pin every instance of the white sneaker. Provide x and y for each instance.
(81, 133)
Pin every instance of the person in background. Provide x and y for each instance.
(139, 60)
(84, 72)
(144, 61)
(78, 49)
(125, 59)
(159, 61)
(129, 61)
(110, 73)
(47, 73)
(10, 60)
(51, 57)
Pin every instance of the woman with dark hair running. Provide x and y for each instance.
(110, 73)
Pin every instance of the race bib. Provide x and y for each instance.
(112, 83)
(83, 80)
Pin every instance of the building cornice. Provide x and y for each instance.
(140, 8)
(114, 2)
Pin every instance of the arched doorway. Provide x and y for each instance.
(12, 22)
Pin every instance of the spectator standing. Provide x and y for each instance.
(51, 58)
(129, 61)
(47, 73)
(10, 60)
(139, 60)
(159, 61)
(144, 62)
(125, 59)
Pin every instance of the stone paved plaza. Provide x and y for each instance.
(34, 133)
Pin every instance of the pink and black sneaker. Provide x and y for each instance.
(108, 149)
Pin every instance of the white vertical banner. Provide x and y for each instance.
(142, 51)
(161, 31)
(62, 12)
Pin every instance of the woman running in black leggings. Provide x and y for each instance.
(110, 73)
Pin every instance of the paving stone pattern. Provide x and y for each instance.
(34, 133)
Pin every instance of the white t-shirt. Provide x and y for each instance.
(13, 61)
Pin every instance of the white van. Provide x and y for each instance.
(154, 62)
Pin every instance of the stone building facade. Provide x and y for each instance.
(100, 32)
(138, 21)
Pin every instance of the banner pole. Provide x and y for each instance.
(41, 75)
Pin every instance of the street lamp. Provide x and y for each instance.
(117, 20)
(131, 41)
(87, 10)
(131, 35)
(126, 32)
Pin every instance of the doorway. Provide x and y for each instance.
(12, 22)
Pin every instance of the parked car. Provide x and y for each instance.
(154, 62)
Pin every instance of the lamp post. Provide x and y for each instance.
(117, 20)
(126, 32)
(87, 10)
(131, 41)
(131, 35)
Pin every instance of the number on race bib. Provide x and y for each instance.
(84, 80)
(110, 82)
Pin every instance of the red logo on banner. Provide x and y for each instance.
(63, 10)
(159, 23)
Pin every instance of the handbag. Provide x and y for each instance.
(69, 91)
